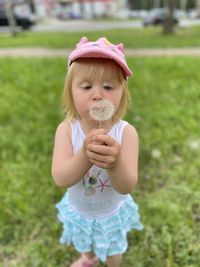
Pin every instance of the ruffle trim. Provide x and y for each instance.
(104, 236)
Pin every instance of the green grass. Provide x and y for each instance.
(166, 113)
(132, 38)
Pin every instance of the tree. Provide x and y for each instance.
(198, 8)
(11, 19)
(156, 3)
(168, 26)
(92, 8)
(82, 8)
(183, 5)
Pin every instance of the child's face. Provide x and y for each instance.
(88, 88)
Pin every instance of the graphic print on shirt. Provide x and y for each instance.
(93, 180)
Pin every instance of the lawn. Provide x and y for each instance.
(132, 38)
(166, 113)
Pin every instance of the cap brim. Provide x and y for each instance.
(97, 52)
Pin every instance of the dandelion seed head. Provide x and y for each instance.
(156, 153)
(194, 144)
(102, 110)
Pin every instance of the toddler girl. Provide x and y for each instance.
(96, 155)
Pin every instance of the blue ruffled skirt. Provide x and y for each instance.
(104, 236)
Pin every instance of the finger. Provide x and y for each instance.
(99, 157)
(101, 131)
(98, 131)
(92, 135)
(106, 139)
(95, 143)
(99, 148)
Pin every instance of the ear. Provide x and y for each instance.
(120, 47)
(83, 40)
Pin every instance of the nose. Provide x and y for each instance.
(97, 93)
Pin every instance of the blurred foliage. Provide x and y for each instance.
(132, 38)
(166, 113)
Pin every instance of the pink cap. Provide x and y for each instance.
(101, 48)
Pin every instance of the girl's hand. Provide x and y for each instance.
(91, 138)
(104, 151)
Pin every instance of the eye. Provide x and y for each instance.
(107, 87)
(86, 86)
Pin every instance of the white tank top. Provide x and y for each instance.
(93, 196)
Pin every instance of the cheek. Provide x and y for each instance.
(80, 103)
(76, 101)
(117, 98)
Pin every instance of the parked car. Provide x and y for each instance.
(24, 21)
(157, 17)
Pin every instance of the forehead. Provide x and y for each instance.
(103, 69)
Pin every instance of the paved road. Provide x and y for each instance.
(84, 25)
(55, 25)
(45, 52)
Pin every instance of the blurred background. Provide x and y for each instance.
(29, 13)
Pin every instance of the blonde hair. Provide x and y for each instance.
(95, 67)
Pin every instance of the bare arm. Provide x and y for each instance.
(121, 162)
(67, 169)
